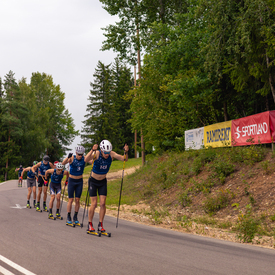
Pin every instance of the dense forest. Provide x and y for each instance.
(198, 62)
(33, 121)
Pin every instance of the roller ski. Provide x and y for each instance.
(45, 208)
(58, 217)
(102, 231)
(38, 208)
(91, 230)
(76, 222)
(51, 217)
(69, 222)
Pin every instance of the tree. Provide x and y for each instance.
(54, 119)
(239, 52)
(12, 113)
(100, 110)
(122, 82)
(108, 110)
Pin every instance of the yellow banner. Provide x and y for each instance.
(218, 135)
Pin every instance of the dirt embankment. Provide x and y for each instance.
(135, 213)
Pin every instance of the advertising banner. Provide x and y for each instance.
(249, 130)
(194, 138)
(272, 124)
(218, 135)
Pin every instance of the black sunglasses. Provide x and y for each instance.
(80, 154)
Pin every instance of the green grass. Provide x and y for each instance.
(117, 165)
(128, 197)
(172, 179)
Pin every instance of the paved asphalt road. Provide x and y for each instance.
(42, 246)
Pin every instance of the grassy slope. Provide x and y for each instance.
(229, 188)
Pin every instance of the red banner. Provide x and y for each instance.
(272, 124)
(252, 129)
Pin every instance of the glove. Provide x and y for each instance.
(21, 178)
(66, 182)
(45, 182)
(70, 155)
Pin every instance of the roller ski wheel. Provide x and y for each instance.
(45, 209)
(77, 223)
(28, 206)
(51, 217)
(69, 223)
(102, 231)
(94, 233)
(58, 217)
(38, 209)
(105, 234)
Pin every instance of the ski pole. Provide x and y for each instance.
(62, 197)
(86, 203)
(120, 189)
(87, 198)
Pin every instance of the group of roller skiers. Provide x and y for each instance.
(101, 161)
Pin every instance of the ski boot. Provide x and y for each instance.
(38, 208)
(75, 220)
(34, 204)
(101, 230)
(45, 208)
(69, 221)
(52, 217)
(58, 216)
(92, 231)
(28, 205)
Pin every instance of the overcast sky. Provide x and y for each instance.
(61, 38)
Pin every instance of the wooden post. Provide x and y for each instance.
(139, 77)
(135, 77)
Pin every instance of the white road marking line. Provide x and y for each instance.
(15, 266)
(3, 182)
(18, 206)
(5, 271)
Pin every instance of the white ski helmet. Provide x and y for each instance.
(80, 150)
(106, 146)
(59, 165)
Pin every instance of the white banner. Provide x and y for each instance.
(194, 138)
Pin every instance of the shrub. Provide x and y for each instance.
(205, 156)
(247, 225)
(169, 181)
(219, 201)
(184, 199)
(223, 168)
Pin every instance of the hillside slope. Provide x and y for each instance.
(225, 193)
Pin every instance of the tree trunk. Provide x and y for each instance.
(139, 77)
(266, 103)
(7, 162)
(225, 113)
(135, 83)
(270, 80)
(272, 86)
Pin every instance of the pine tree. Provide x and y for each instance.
(12, 114)
(122, 84)
(108, 110)
(100, 116)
